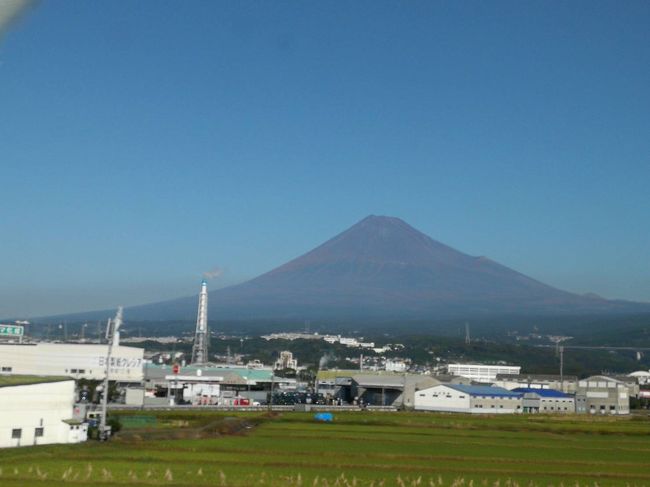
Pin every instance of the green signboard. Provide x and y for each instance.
(11, 330)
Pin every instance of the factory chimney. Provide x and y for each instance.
(200, 348)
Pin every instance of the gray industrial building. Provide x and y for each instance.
(389, 390)
(379, 388)
(546, 401)
(602, 395)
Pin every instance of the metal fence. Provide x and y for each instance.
(278, 408)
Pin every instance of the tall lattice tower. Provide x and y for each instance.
(200, 348)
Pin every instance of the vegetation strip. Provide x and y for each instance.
(459, 442)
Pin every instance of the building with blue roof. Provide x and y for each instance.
(541, 392)
(456, 398)
(481, 391)
(546, 401)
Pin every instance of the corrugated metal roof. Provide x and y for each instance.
(605, 378)
(536, 377)
(394, 380)
(334, 373)
(484, 390)
(541, 392)
(154, 371)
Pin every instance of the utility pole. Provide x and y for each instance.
(467, 337)
(557, 341)
(562, 368)
(111, 329)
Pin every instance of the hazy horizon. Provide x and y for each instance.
(143, 146)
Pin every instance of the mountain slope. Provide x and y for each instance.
(383, 268)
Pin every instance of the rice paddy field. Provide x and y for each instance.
(356, 449)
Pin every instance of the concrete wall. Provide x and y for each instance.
(533, 403)
(33, 406)
(134, 396)
(495, 405)
(601, 395)
(557, 405)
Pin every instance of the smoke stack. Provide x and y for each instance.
(200, 347)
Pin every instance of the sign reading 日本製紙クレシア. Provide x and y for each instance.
(11, 330)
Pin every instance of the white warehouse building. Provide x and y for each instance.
(38, 411)
(76, 360)
(482, 373)
(454, 398)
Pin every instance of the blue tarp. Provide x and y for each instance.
(327, 417)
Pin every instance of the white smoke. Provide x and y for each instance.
(324, 360)
(213, 274)
(11, 11)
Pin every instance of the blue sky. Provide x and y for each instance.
(143, 143)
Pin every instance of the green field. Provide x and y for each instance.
(357, 449)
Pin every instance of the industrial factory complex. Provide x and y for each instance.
(49, 392)
(455, 393)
